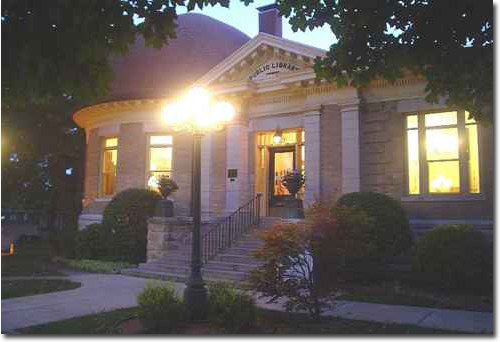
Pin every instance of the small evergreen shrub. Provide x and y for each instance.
(126, 217)
(234, 312)
(160, 310)
(391, 228)
(92, 242)
(454, 257)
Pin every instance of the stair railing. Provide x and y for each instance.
(231, 228)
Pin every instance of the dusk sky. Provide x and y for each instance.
(245, 18)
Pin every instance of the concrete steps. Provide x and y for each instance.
(233, 264)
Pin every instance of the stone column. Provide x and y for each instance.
(237, 189)
(312, 157)
(350, 147)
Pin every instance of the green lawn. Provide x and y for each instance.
(404, 294)
(30, 258)
(101, 323)
(268, 322)
(21, 288)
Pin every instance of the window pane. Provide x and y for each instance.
(160, 140)
(444, 177)
(109, 161)
(111, 142)
(413, 163)
(412, 121)
(160, 159)
(467, 120)
(442, 143)
(473, 158)
(440, 119)
(108, 176)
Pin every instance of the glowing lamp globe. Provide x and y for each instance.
(197, 112)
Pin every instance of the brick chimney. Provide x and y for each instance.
(270, 20)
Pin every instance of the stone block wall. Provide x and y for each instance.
(330, 153)
(181, 164)
(382, 162)
(382, 148)
(91, 174)
(132, 154)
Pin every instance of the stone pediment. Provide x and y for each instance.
(262, 59)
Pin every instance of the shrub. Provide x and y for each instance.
(391, 229)
(126, 218)
(288, 269)
(234, 312)
(95, 266)
(341, 239)
(92, 242)
(454, 257)
(160, 310)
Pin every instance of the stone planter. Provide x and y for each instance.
(167, 234)
(164, 208)
(294, 208)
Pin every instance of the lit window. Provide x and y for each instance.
(108, 166)
(437, 158)
(160, 158)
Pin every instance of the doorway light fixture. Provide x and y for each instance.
(277, 137)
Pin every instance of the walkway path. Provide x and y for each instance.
(105, 292)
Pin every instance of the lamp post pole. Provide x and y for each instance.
(195, 294)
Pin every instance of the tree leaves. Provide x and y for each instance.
(449, 42)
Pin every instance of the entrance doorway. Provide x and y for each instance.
(273, 159)
(282, 161)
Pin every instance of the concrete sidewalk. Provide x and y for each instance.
(453, 320)
(106, 292)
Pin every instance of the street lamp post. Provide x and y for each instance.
(197, 114)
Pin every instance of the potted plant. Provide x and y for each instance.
(293, 181)
(166, 187)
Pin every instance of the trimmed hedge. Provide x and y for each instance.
(233, 311)
(160, 310)
(92, 242)
(391, 227)
(454, 257)
(126, 217)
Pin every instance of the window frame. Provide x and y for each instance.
(424, 193)
(102, 150)
(148, 154)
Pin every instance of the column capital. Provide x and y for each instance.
(316, 112)
(349, 105)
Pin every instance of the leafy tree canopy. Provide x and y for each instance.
(57, 47)
(56, 57)
(449, 42)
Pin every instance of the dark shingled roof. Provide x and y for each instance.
(202, 42)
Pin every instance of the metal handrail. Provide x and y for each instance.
(231, 228)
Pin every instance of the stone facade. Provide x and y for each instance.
(331, 153)
(131, 166)
(354, 139)
(383, 159)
